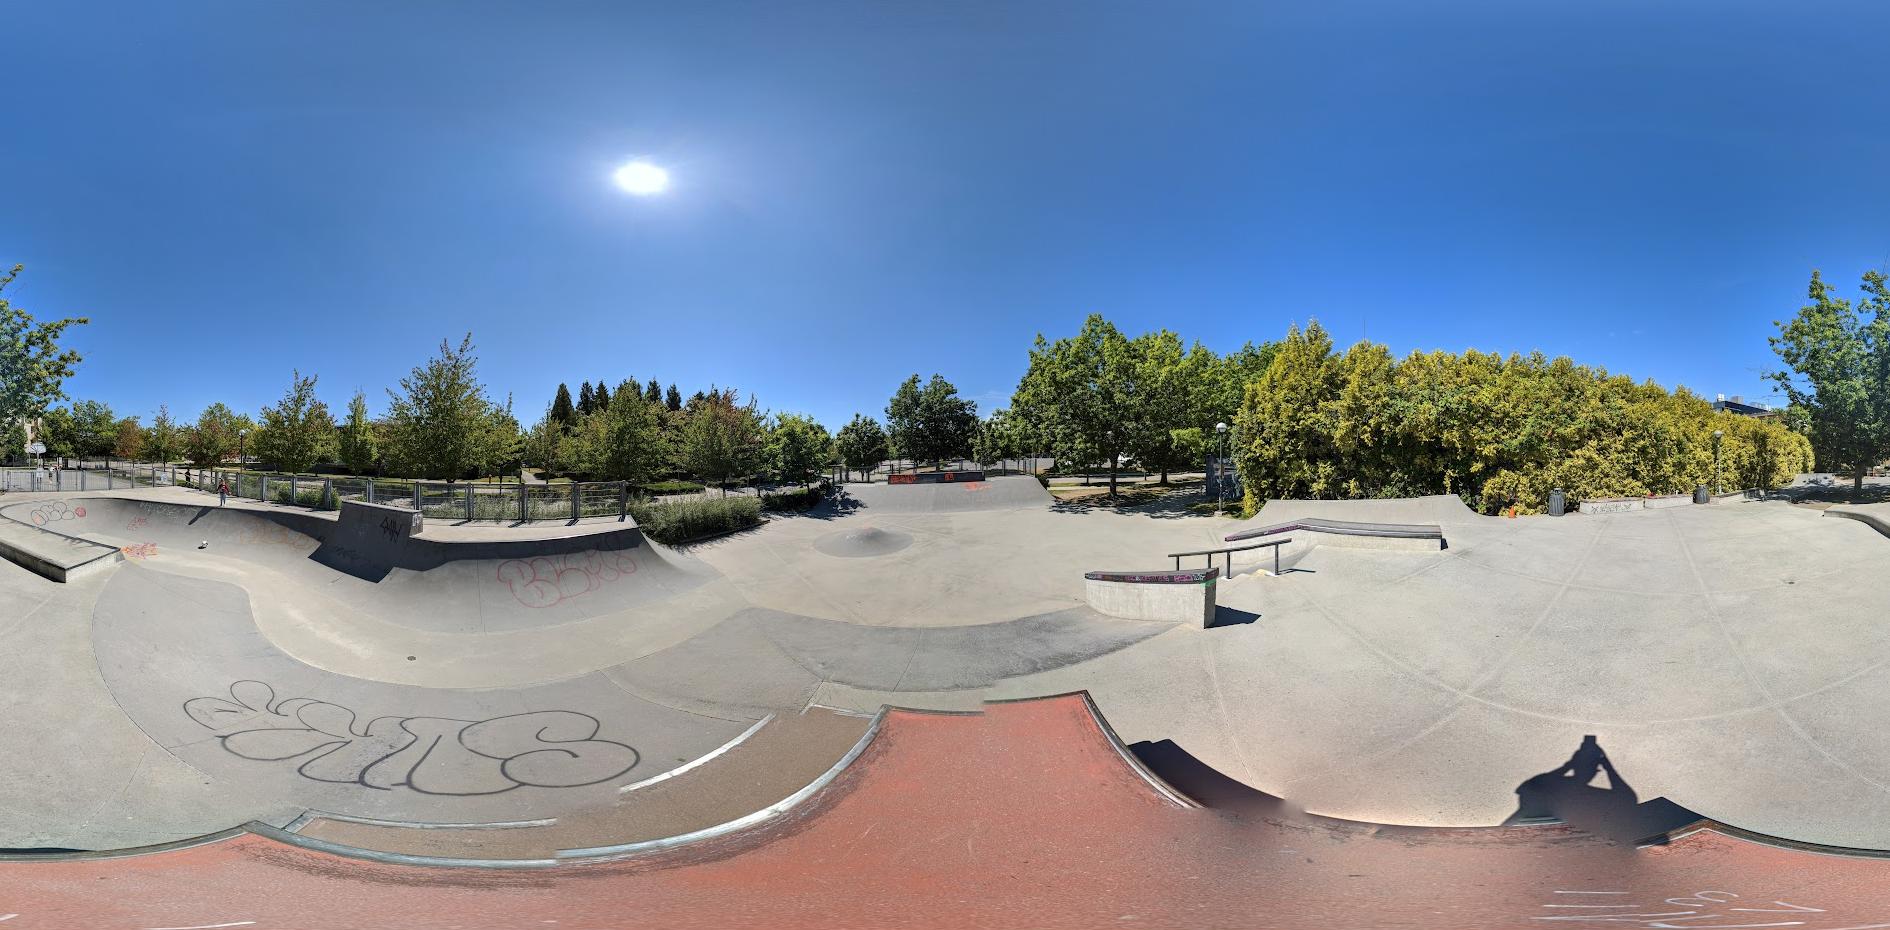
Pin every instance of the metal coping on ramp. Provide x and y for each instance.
(1343, 528)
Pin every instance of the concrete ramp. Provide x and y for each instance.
(467, 580)
(1011, 492)
(1028, 814)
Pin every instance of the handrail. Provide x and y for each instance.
(1273, 544)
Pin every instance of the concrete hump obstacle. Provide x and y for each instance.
(1185, 596)
(935, 477)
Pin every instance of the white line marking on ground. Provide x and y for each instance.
(233, 923)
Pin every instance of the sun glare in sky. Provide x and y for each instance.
(642, 178)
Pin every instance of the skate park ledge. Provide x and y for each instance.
(935, 477)
(1418, 537)
(1185, 596)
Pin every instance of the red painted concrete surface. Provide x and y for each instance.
(1025, 816)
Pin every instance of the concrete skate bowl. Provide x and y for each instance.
(1013, 492)
(470, 586)
(865, 542)
(932, 817)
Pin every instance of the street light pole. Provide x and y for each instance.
(1220, 468)
(1717, 435)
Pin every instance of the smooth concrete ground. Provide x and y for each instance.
(1731, 657)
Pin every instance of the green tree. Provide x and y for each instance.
(862, 444)
(94, 428)
(797, 446)
(1838, 358)
(620, 442)
(356, 443)
(653, 394)
(721, 439)
(587, 400)
(562, 413)
(213, 439)
(600, 398)
(297, 431)
(1079, 394)
(1000, 437)
(440, 423)
(162, 441)
(672, 401)
(1283, 434)
(57, 431)
(930, 423)
(33, 366)
(12, 440)
(543, 444)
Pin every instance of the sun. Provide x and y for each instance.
(641, 178)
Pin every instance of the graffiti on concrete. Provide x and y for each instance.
(137, 523)
(544, 581)
(139, 551)
(55, 511)
(428, 755)
(1720, 908)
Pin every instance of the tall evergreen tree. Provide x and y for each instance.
(653, 394)
(562, 413)
(587, 401)
(600, 398)
(672, 401)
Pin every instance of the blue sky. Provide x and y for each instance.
(865, 190)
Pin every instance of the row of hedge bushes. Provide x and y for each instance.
(673, 522)
(795, 500)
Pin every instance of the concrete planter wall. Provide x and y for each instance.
(1186, 596)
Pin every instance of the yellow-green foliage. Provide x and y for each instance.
(1499, 431)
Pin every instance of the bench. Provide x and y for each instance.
(1185, 596)
(1273, 544)
(1412, 536)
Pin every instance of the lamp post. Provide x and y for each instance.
(1220, 467)
(1717, 436)
(241, 434)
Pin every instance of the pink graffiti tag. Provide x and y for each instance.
(137, 522)
(139, 550)
(544, 581)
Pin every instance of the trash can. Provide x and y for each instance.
(1699, 494)
(1558, 503)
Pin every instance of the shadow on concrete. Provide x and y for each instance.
(1230, 616)
(1167, 503)
(1206, 784)
(1831, 489)
(1614, 813)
